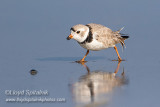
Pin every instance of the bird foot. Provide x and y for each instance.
(119, 60)
(81, 61)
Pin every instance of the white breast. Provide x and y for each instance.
(94, 45)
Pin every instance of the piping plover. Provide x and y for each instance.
(96, 37)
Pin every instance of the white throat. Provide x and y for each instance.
(82, 36)
(85, 35)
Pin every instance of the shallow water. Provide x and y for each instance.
(33, 36)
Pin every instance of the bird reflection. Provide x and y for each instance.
(96, 87)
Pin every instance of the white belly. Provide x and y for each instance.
(94, 46)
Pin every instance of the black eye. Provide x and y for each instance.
(78, 32)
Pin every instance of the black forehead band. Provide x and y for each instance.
(73, 29)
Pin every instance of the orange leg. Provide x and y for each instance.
(82, 60)
(86, 67)
(119, 58)
(117, 69)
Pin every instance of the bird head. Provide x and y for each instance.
(79, 33)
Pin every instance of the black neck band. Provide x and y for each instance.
(89, 36)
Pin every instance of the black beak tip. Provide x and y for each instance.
(68, 38)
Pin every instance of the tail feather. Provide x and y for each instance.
(125, 37)
(122, 43)
(119, 30)
(122, 37)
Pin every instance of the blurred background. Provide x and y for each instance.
(33, 36)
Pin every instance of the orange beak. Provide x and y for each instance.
(69, 37)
